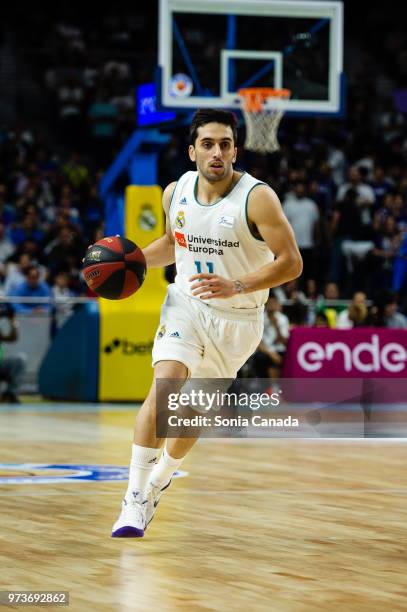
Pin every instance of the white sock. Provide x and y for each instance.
(164, 469)
(143, 459)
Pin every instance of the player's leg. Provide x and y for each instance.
(132, 520)
(144, 467)
(173, 454)
(181, 336)
(145, 426)
(220, 359)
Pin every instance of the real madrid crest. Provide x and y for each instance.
(161, 332)
(180, 219)
(147, 220)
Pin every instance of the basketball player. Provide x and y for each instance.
(231, 243)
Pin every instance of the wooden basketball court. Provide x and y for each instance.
(282, 525)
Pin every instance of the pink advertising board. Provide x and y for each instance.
(332, 364)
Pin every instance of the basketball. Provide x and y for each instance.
(114, 267)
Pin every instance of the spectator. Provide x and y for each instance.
(290, 291)
(311, 290)
(297, 314)
(399, 212)
(393, 318)
(34, 250)
(32, 287)
(62, 295)
(28, 229)
(6, 246)
(323, 188)
(385, 210)
(328, 303)
(387, 244)
(76, 172)
(70, 213)
(7, 212)
(355, 315)
(65, 252)
(16, 273)
(365, 197)
(337, 162)
(331, 291)
(13, 367)
(321, 320)
(349, 235)
(384, 312)
(303, 214)
(380, 184)
(268, 359)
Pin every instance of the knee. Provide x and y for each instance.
(169, 378)
(170, 370)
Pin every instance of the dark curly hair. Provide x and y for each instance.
(212, 115)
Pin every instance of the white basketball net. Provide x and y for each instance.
(262, 124)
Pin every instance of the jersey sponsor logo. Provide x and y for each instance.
(180, 238)
(227, 221)
(203, 244)
(180, 219)
(213, 241)
(209, 246)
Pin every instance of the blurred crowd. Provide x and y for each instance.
(49, 212)
(342, 181)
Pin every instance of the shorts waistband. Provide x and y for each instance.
(237, 314)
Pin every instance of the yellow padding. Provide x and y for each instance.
(127, 327)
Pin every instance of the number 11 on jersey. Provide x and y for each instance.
(209, 265)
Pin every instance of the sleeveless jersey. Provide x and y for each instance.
(216, 238)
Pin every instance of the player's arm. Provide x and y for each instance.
(266, 216)
(161, 252)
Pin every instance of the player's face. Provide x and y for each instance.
(214, 151)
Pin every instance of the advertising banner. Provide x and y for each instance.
(368, 356)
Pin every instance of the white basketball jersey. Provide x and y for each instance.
(216, 238)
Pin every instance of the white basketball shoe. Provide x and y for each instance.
(153, 497)
(132, 520)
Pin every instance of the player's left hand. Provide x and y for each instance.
(211, 286)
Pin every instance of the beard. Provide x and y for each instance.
(213, 176)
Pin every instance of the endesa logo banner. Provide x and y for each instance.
(365, 365)
(355, 353)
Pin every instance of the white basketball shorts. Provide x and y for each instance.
(210, 342)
